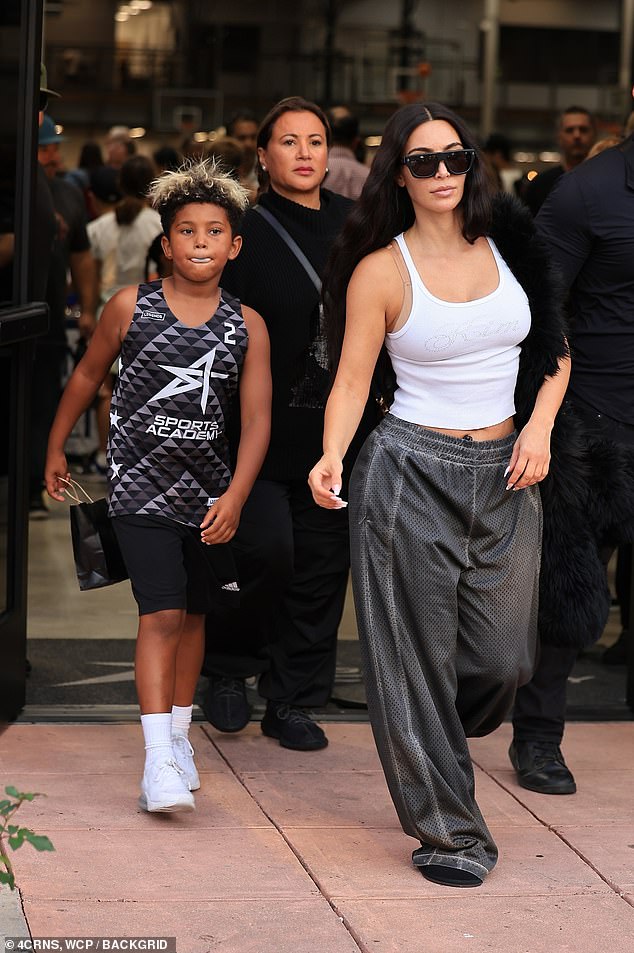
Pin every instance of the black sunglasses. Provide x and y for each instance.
(423, 165)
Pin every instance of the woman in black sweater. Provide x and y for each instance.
(292, 556)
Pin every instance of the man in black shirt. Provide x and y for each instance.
(576, 133)
(588, 222)
(70, 251)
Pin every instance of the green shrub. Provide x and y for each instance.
(16, 835)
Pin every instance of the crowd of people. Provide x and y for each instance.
(437, 341)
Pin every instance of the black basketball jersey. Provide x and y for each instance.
(167, 448)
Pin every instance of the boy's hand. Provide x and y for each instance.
(56, 470)
(222, 519)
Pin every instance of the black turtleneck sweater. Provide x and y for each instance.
(267, 277)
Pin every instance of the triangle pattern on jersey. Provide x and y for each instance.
(169, 408)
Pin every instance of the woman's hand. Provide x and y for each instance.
(222, 520)
(55, 472)
(530, 459)
(325, 482)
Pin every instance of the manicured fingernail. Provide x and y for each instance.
(336, 489)
(509, 486)
(507, 471)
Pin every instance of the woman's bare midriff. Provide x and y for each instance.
(495, 432)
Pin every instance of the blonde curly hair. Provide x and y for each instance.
(198, 181)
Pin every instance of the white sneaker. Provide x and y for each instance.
(184, 758)
(164, 787)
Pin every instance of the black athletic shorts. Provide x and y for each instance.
(171, 568)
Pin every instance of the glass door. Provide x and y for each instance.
(22, 318)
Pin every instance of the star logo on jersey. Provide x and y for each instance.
(195, 377)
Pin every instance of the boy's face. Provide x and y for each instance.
(200, 242)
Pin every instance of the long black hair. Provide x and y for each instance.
(384, 209)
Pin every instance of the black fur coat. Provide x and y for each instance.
(588, 495)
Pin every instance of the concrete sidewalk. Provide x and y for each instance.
(302, 853)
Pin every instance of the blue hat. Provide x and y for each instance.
(48, 133)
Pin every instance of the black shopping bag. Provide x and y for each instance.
(98, 559)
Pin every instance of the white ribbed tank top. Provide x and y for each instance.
(456, 363)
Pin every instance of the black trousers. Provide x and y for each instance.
(540, 706)
(292, 559)
(623, 582)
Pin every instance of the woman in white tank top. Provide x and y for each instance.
(445, 513)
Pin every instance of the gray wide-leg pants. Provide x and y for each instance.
(445, 567)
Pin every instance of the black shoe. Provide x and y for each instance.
(617, 654)
(447, 874)
(292, 727)
(450, 876)
(541, 767)
(225, 703)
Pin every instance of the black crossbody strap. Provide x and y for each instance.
(292, 244)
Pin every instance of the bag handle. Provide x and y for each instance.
(74, 489)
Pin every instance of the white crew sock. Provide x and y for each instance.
(181, 720)
(157, 732)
